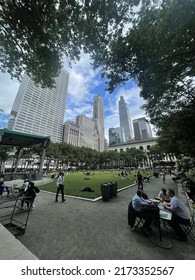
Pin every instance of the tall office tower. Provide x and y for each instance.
(40, 110)
(142, 129)
(125, 120)
(98, 117)
(98, 113)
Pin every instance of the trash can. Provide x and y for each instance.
(105, 191)
(111, 185)
(115, 187)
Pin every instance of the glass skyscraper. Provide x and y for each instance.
(125, 121)
(142, 129)
(40, 111)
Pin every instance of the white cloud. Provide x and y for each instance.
(8, 91)
(84, 84)
(82, 79)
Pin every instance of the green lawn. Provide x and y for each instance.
(73, 183)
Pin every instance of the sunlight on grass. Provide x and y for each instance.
(74, 182)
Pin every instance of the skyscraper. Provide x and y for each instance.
(124, 118)
(98, 113)
(40, 110)
(98, 117)
(116, 135)
(142, 129)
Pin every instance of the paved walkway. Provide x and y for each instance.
(84, 230)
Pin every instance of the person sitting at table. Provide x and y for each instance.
(24, 186)
(30, 194)
(3, 186)
(145, 209)
(179, 214)
(143, 195)
(163, 195)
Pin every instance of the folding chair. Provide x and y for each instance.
(134, 220)
(188, 229)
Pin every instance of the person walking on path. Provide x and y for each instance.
(163, 177)
(139, 180)
(60, 186)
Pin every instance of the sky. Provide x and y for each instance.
(84, 84)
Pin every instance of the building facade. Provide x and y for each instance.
(86, 132)
(40, 111)
(81, 133)
(143, 145)
(116, 135)
(142, 129)
(71, 134)
(125, 121)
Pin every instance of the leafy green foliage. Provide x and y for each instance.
(158, 51)
(177, 133)
(155, 46)
(4, 153)
(35, 35)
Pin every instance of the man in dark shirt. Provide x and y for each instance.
(139, 180)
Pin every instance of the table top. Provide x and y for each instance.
(164, 213)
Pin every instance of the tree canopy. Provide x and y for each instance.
(35, 35)
(158, 51)
(151, 41)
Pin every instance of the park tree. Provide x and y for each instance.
(158, 52)
(5, 152)
(36, 35)
(153, 44)
(177, 132)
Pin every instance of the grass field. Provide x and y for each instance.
(74, 182)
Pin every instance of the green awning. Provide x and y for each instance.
(15, 138)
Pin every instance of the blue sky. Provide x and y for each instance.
(84, 84)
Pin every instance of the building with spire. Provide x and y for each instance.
(125, 121)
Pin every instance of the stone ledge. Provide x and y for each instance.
(11, 248)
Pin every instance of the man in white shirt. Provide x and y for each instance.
(145, 209)
(179, 214)
(60, 186)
